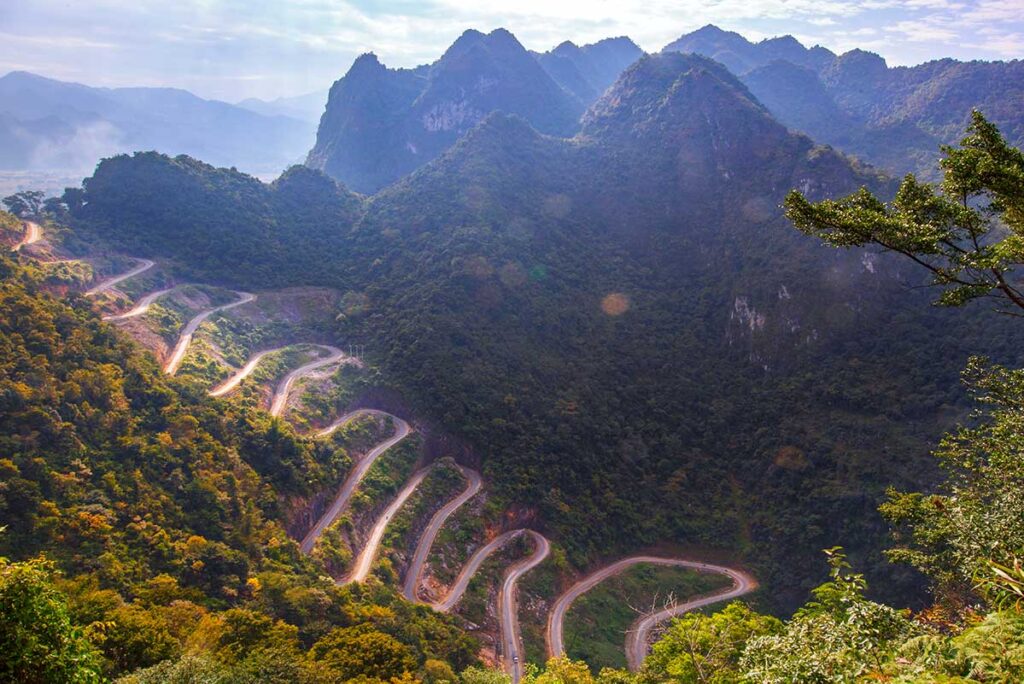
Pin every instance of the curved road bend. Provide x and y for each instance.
(141, 307)
(364, 562)
(345, 492)
(637, 642)
(412, 575)
(468, 571)
(232, 382)
(638, 639)
(33, 233)
(280, 400)
(103, 286)
(186, 334)
(507, 608)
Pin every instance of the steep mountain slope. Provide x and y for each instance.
(625, 329)
(381, 123)
(799, 98)
(895, 118)
(166, 510)
(589, 70)
(740, 55)
(69, 126)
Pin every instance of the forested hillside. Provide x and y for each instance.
(164, 512)
(621, 325)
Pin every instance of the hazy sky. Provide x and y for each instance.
(230, 49)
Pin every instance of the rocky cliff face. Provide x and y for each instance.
(381, 124)
(588, 71)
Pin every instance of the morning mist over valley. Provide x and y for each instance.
(423, 343)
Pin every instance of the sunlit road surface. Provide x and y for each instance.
(186, 334)
(341, 499)
(280, 400)
(143, 265)
(637, 640)
(140, 308)
(364, 563)
(33, 233)
(437, 521)
(508, 609)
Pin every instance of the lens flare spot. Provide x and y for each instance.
(615, 304)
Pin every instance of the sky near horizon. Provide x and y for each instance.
(232, 49)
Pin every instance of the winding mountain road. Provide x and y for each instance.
(33, 233)
(461, 583)
(280, 400)
(402, 430)
(412, 575)
(141, 307)
(186, 334)
(235, 380)
(143, 266)
(508, 608)
(364, 563)
(637, 640)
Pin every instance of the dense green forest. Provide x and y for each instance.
(159, 512)
(741, 388)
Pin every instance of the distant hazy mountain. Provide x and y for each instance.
(588, 71)
(382, 123)
(308, 107)
(52, 125)
(740, 55)
(895, 118)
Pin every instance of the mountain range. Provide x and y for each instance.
(380, 124)
(56, 126)
(893, 117)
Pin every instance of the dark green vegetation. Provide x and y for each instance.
(163, 510)
(742, 387)
(597, 623)
(964, 534)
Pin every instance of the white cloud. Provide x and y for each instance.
(292, 46)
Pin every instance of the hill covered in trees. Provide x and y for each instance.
(164, 512)
(622, 325)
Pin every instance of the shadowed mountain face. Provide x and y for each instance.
(381, 123)
(52, 125)
(621, 325)
(740, 55)
(588, 71)
(895, 118)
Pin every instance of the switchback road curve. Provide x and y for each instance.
(341, 499)
(637, 640)
(280, 400)
(142, 265)
(412, 575)
(186, 334)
